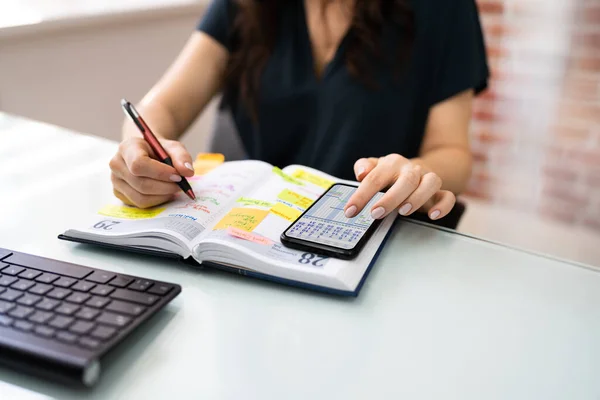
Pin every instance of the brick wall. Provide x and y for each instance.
(536, 130)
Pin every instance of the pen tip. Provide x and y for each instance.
(124, 102)
(191, 194)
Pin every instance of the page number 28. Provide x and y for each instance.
(310, 258)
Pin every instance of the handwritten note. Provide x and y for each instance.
(283, 211)
(243, 218)
(254, 202)
(127, 212)
(252, 237)
(294, 198)
(312, 178)
(286, 177)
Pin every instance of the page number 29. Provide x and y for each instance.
(310, 258)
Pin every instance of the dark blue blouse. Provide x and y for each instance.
(330, 122)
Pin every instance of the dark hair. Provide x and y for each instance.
(255, 30)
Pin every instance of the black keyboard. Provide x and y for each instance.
(58, 319)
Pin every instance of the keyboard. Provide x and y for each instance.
(59, 319)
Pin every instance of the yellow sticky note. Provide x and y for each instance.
(243, 218)
(312, 178)
(127, 212)
(295, 198)
(206, 162)
(286, 177)
(283, 211)
(254, 202)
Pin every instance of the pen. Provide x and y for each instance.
(149, 137)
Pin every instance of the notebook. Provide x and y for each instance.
(235, 223)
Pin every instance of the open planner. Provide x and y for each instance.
(235, 223)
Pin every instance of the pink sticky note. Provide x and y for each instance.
(251, 237)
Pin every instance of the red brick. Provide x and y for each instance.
(591, 14)
(496, 52)
(589, 41)
(479, 157)
(491, 138)
(497, 30)
(490, 6)
(587, 63)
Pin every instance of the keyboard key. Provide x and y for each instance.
(40, 289)
(122, 307)
(48, 265)
(65, 282)
(59, 293)
(87, 313)
(160, 289)
(113, 319)
(102, 290)
(66, 337)
(89, 343)
(135, 297)
(12, 270)
(10, 295)
(97, 301)
(6, 280)
(61, 322)
(100, 277)
(29, 274)
(5, 321)
(81, 327)
(140, 285)
(40, 317)
(120, 281)
(22, 284)
(29, 299)
(103, 332)
(78, 298)
(47, 278)
(47, 304)
(21, 312)
(23, 325)
(67, 309)
(44, 331)
(83, 286)
(5, 307)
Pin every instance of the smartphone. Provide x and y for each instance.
(324, 229)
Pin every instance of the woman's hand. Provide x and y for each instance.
(411, 188)
(140, 180)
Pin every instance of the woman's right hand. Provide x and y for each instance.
(140, 180)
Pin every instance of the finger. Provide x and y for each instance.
(142, 184)
(182, 160)
(444, 202)
(406, 184)
(429, 186)
(379, 178)
(136, 198)
(135, 153)
(363, 166)
(122, 197)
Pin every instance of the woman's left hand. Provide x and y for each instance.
(411, 188)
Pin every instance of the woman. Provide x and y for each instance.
(374, 90)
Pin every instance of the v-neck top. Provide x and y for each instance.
(329, 122)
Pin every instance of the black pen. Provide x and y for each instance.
(149, 137)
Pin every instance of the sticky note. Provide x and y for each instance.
(243, 218)
(283, 211)
(252, 237)
(127, 212)
(206, 162)
(254, 202)
(286, 177)
(295, 198)
(312, 178)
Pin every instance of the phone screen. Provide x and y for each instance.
(325, 225)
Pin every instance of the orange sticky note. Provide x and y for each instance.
(242, 218)
(206, 162)
(251, 237)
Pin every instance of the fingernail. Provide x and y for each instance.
(189, 166)
(405, 209)
(359, 171)
(378, 213)
(350, 212)
(175, 178)
(435, 214)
